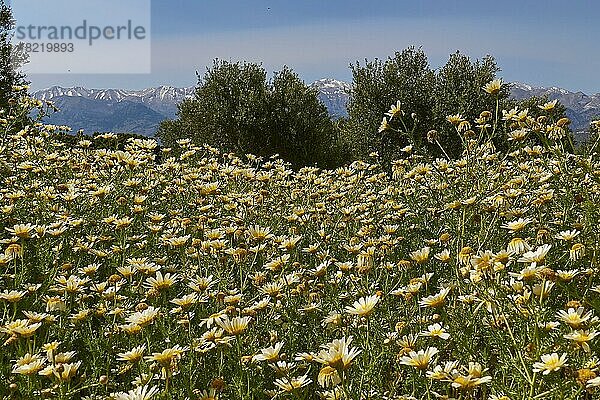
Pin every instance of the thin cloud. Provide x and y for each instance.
(536, 53)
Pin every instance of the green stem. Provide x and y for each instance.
(532, 387)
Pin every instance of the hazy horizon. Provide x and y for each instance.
(541, 45)
(307, 82)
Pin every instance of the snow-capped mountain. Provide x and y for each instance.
(162, 99)
(141, 111)
(334, 94)
(114, 110)
(581, 108)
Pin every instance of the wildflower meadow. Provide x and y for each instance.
(146, 272)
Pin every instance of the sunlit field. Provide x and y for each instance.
(145, 273)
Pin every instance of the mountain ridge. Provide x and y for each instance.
(145, 108)
(581, 108)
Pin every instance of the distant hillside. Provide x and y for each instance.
(581, 108)
(105, 116)
(334, 94)
(141, 111)
(114, 110)
(162, 99)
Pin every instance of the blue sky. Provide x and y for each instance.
(547, 43)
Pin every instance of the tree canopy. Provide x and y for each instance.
(10, 59)
(236, 108)
(426, 97)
